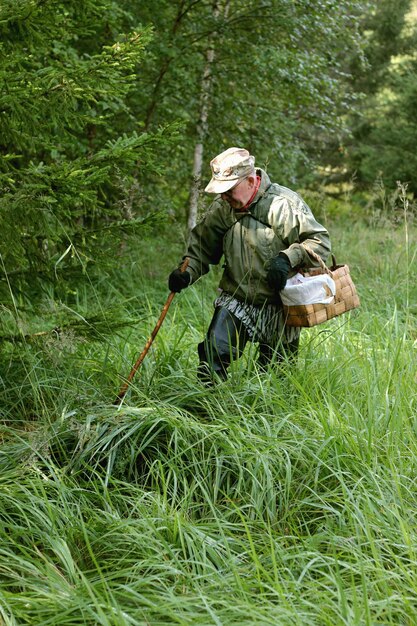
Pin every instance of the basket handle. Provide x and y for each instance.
(319, 260)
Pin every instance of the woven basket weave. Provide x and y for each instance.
(346, 298)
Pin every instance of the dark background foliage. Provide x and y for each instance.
(101, 107)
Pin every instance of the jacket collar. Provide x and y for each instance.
(263, 188)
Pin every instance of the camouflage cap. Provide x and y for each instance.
(228, 168)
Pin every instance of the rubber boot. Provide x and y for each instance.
(279, 353)
(225, 341)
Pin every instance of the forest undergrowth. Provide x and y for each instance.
(285, 497)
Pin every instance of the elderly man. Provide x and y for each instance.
(259, 227)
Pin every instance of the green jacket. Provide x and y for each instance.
(278, 220)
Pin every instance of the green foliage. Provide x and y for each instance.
(277, 78)
(382, 127)
(284, 497)
(392, 125)
(383, 26)
(73, 155)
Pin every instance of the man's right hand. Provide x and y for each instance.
(178, 280)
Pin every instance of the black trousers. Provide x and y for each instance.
(225, 341)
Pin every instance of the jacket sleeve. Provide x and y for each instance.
(205, 246)
(292, 220)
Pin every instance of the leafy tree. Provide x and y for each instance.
(387, 152)
(383, 125)
(389, 132)
(276, 82)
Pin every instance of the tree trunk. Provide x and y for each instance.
(166, 62)
(202, 124)
(202, 127)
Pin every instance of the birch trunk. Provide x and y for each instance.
(202, 124)
(202, 127)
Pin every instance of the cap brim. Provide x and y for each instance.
(220, 186)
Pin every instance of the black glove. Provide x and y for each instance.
(279, 268)
(178, 280)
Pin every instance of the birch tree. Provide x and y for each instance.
(274, 84)
(202, 124)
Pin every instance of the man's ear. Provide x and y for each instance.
(251, 180)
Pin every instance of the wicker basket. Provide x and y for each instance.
(346, 298)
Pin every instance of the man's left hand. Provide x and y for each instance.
(279, 268)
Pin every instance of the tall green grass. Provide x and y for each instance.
(285, 497)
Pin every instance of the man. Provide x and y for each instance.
(259, 227)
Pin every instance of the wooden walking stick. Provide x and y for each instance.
(144, 352)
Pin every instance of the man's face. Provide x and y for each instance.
(239, 195)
